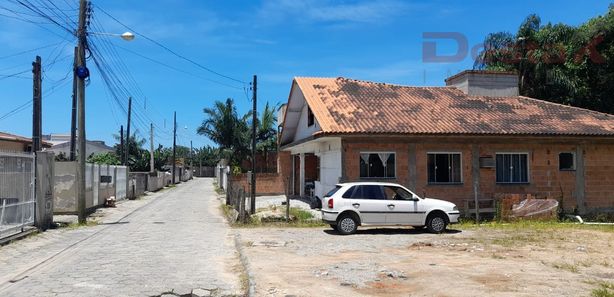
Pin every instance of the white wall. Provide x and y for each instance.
(330, 165)
(303, 131)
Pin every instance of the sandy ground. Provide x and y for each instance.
(406, 262)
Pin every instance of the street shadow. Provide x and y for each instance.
(391, 231)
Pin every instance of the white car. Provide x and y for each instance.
(350, 205)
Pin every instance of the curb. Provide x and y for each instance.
(251, 289)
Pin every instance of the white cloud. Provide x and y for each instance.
(328, 11)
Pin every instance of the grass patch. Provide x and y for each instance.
(532, 225)
(606, 289)
(218, 189)
(301, 218)
(88, 223)
(567, 266)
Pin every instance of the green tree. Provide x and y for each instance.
(108, 158)
(266, 134)
(207, 155)
(226, 128)
(556, 62)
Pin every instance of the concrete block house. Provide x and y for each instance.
(474, 135)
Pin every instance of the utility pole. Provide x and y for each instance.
(151, 148)
(82, 74)
(252, 208)
(127, 151)
(174, 144)
(73, 116)
(191, 156)
(121, 144)
(37, 126)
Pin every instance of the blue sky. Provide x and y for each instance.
(275, 39)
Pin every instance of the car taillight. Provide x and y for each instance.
(330, 203)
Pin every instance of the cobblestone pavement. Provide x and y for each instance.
(174, 242)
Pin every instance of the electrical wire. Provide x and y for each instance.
(170, 50)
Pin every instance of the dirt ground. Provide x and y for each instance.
(467, 261)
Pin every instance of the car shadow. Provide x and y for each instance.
(391, 231)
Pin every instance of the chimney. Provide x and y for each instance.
(485, 83)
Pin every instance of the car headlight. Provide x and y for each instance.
(455, 208)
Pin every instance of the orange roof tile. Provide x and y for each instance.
(344, 105)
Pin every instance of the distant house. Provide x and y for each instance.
(16, 143)
(475, 136)
(92, 147)
(56, 139)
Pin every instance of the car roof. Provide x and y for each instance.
(375, 183)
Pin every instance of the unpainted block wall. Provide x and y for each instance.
(545, 178)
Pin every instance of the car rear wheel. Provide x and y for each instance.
(347, 224)
(436, 223)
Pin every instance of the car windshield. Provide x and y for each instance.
(333, 191)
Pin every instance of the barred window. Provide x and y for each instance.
(512, 168)
(444, 168)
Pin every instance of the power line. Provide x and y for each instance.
(172, 51)
(175, 68)
(31, 50)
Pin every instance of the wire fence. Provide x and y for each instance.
(17, 198)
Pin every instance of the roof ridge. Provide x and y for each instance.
(567, 106)
(373, 82)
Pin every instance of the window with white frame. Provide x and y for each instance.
(444, 168)
(377, 165)
(512, 167)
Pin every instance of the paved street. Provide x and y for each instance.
(174, 241)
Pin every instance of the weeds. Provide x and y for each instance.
(76, 225)
(566, 266)
(606, 289)
(533, 225)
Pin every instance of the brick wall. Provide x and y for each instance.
(545, 178)
(599, 175)
(269, 165)
(266, 183)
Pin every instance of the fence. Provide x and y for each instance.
(222, 174)
(236, 197)
(204, 171)
(101, 182)
(17, 198)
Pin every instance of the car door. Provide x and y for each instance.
(370, 201)
(402, 206)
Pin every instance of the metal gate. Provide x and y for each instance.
(17, 201)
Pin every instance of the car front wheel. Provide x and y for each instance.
(436, 223)
(347, 224)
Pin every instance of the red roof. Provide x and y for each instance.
(347, 106)
(16, 138)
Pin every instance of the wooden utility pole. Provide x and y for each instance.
(151, 148)
(127, 149)
(121, 144)
(37, 126)
(73, 116)
(191, 157)
(82, 74)
(252, 208)
(174, 144)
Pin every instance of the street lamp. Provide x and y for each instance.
(127, 36)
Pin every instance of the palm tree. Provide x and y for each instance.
(267, 132)
(223, 126)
